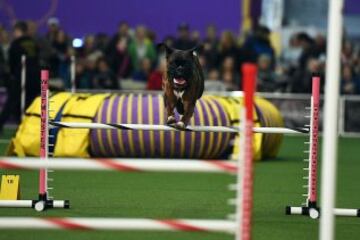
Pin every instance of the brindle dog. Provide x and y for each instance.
(183, 84)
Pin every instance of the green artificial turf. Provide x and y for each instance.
(278, 183)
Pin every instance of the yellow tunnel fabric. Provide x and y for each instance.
(69, 142)
(27, 138)
(79, 108)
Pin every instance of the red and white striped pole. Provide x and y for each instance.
(118, 224)
(245, 174)
(44, 132)
(313, 153)
(121, 164)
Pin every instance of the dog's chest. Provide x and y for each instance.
(179, 94)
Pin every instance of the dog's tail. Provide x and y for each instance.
(180, 107)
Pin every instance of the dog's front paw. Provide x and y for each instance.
(171, 120)
(180, 125)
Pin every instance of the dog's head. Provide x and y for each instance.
(180, 66)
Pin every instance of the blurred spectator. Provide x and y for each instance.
(22, 45)
(258, 44)
(213, 83)
(195, 37)
(4, 45)
(356, 63)
(25, 45)
(3, 54)
(101, 41)
(267, 79)
(44, 45)
(140, 48)
(310, 60)
(62, 60)
(90, 71)
(301, 81)
(291, 54)
(202, 61)
(104, 78)
(211, 36)
(32, 29)
(4, 57)
(210, 47)
(169, 41)
(119, 60)
(349, 82)
(183, 41)
(151, 35)
(144, 70)
(53, 28)
(155, 78)
(347, 53)
(228, 48)
(123, 32)
(320, 44)
(88, 48)
(82, 78)
(229, 74)
(61, 42)
(308, 49)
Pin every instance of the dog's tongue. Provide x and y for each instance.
(179, 81)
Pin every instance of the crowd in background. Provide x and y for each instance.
(103, 61)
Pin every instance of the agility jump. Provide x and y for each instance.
(310, 207)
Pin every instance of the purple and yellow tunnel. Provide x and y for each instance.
(145, 108)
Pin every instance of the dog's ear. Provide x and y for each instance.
(168, 50)
(195, 51)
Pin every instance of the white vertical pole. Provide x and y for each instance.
(72, 74)
(329, 153)
(23, 85)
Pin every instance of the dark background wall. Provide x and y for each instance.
(79, 17)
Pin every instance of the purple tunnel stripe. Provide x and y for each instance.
(104, 146)
(124, 134)
(135, 119)
(114, 133)
(94, 142)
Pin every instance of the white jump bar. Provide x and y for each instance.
(148, 127)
